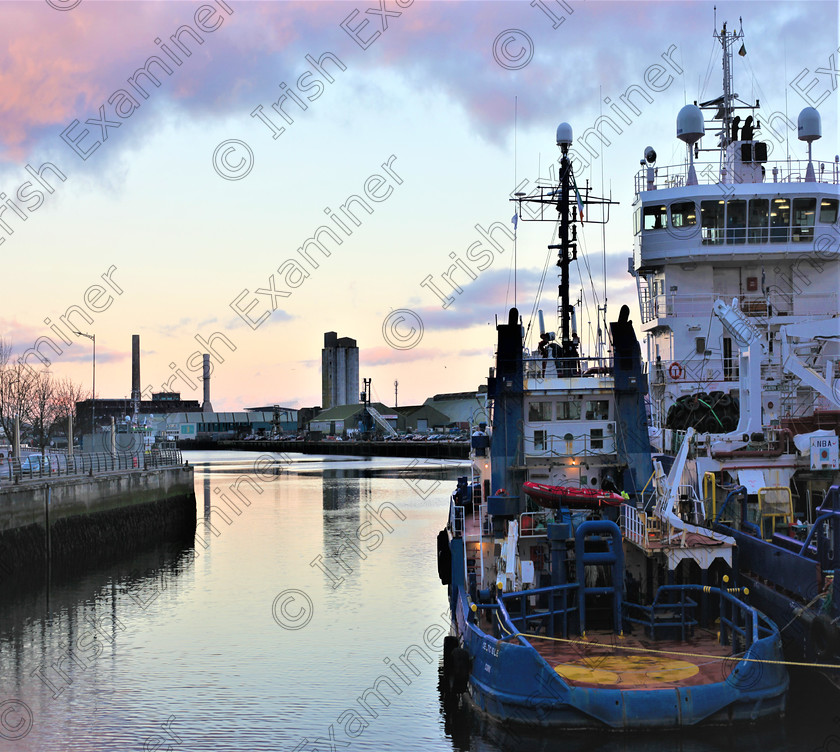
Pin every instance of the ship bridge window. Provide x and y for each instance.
(759, 215)
(568, 410)
(779, 220)
(637, 221)
(683, 214)
(711, 221)
(828, 210)
(598, 410)
(655, 217)
(736, 221)
(538, 411)
(804, 214)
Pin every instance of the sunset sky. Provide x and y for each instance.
(190, 191)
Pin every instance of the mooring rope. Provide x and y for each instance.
(676, 652)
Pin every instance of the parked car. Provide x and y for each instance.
(35, 464)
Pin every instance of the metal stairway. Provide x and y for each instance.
(380, 421)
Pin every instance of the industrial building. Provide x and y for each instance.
(339, 371)
(130, 409)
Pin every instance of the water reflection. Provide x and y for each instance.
(119, 649)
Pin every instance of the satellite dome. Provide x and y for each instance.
(810, 126)
(690, 126)
(564, 135)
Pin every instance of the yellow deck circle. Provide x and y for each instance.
(579, 673)
(627, 670)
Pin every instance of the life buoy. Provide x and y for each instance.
(675, 371)
(444, 558)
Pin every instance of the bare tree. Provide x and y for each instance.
(43, 407)
(66, 394)
(16, 385)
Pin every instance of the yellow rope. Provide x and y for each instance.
(677, 652)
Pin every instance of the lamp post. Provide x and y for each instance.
(92, 337)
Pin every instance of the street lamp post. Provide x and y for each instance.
(92, 337)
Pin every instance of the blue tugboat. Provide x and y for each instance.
(558, 619)
(738, 274)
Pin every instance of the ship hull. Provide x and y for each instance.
(513, 684)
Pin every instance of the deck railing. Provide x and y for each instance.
(765, 306)
(537, 367)
(57, 465)
(550, 609)
(709, 173)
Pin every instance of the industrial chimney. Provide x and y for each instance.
(206, 407)
(135, 375)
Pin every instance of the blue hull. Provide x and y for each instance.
(513, 683)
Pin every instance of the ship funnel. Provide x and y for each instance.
(810, 129)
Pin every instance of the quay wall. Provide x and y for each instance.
(71, 520)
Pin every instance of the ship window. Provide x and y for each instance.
(637, 221)
(538, 411)
(596, 438)
(598, 410)
(828, 210)
(736, 221)
(655, 217)
(568, 411)
(804, 214)
(539, 441)
(758, 218)
(683, 214)
(711, 221)
(700, 345)
(779, 220)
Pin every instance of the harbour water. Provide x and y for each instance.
(307, 616)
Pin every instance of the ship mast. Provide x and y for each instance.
(726, 104)
(567, 252)
(560, 198)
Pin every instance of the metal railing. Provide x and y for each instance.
(709, 173)
(755, 306)
(56, 465)
(580, 446)
(534, 524)
(537, 367)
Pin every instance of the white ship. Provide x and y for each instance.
(737, 264)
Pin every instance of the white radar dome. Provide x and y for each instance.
(690, 126)
(564, 135)
(810, 126)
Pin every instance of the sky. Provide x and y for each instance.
(198, 202)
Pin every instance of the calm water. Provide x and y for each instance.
(248, 646)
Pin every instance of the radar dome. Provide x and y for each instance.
(810, 127)
(690, 126)
(564, 135)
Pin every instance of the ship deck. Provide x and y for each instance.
(604, 659)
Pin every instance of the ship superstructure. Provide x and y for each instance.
(737, 264)
(744, 228)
